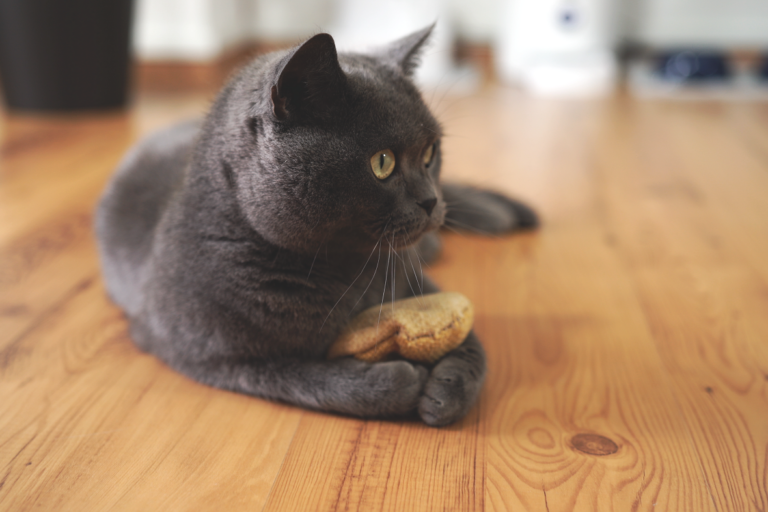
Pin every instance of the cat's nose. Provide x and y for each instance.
(428, 205)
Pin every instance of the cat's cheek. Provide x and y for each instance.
(438, 217)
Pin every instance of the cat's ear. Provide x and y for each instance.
(310, 81)
(405, 53)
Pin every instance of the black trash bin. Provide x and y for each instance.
(60, 55)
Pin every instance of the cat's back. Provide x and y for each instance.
(133, 204)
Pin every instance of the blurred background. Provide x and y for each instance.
(674, 48)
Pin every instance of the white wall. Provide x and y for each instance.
(290, 20)
(202, 29)
(476, 21)
(195, 30)
(718, 23)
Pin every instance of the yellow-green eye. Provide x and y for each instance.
(383, 163)
(429, 154)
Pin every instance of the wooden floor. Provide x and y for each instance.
(627, 339)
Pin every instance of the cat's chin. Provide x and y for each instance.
(407, 239)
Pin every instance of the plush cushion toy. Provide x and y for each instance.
(421, 329)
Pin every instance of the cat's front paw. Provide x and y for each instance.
(395, 387)
(485, 211)
(450, 393)
(521, 215)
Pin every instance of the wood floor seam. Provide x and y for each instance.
(7, 351)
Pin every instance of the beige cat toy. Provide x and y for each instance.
(421, 328)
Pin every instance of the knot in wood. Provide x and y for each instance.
(594, 444)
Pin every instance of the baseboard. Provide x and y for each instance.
(176, 76)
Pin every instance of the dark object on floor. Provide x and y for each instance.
(59, 55)
(693, 66)
(762, 68)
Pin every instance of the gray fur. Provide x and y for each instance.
(240, 247)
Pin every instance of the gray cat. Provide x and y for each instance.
(241, 246)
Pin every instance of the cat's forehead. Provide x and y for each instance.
(387, 102)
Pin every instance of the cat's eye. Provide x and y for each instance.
(429, 154)
(383, 163)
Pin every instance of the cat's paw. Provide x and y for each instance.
(521, 215)
(450, 393)
(395, 387)
(486, 212)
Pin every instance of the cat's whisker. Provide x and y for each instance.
(384, 292)
(446, 226)
(394, 268)
(378, 260)
(420, 259)
(460, 201)
(384, 230)
(459, 224)
(277, 255)
(375, 271)
(460, 208)
(415, 275)
(421, 271)
(451, 120)
(314, 259)
(421, 268)
(443, 107)
(405, 271)
(469, 192)
(348, 287)
(436, 89)
(470, 210)
(455, 202)
(466, 229)
(311, 230)
(439, 105)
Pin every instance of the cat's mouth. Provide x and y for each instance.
(405, 237)
(406, 231)
(408, 235)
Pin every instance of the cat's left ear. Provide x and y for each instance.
(310, 81)
(405, 53)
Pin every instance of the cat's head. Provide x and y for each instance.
(332, 149)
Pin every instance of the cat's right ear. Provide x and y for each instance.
(405, 53)
(310, 82)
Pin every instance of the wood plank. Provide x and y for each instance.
(580, 361)
(570, 350)
(634, 320)
(46, 246)
(55, 174)
(37, 271)
(89, 423)
(704, 293)
(347, 464)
